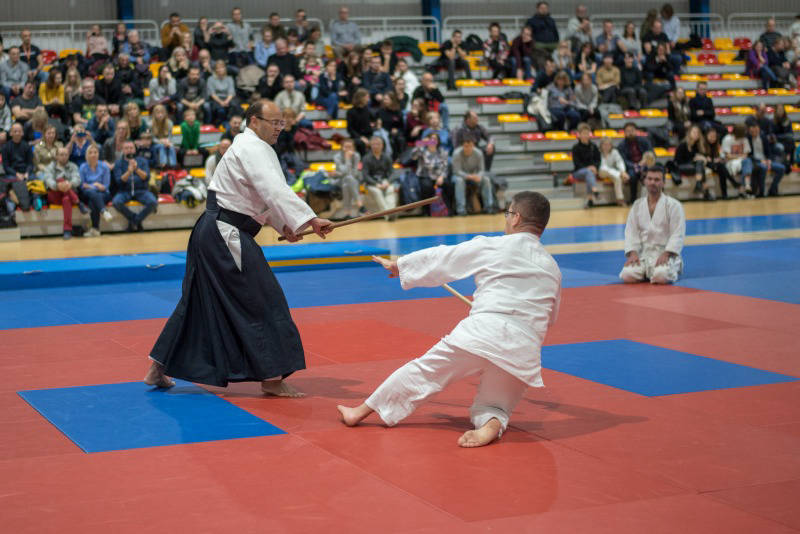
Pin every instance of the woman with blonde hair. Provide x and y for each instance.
(112, 148)
(178, 63)
(44, 153)
(690, 160)
(161, 127)
(162, 88)
(136, 124)
(72, 84)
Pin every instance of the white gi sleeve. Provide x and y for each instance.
(435, 266)
(633, 242)
(677, 227)
(285, 207)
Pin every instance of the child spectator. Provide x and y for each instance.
(415, 120)
(190, 141)
(62, 179)
(435, 126)
(346, 176)
(736, 152)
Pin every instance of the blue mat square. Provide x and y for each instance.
(650, 370)
(133, 415)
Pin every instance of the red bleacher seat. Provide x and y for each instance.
(489, 100)
(714, 76)
(320, 125)
(708, 59)
(48, 56)
(532, 136)
(165, 199)
(716, 92)
(209, 128)
(743, 43)
(723, 111)
(492, 82)
(708, 44)
(630, 114)
(760, 92)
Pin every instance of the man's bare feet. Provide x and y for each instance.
(353, 416)
(279, 388)
(156, 377)
(481, 436)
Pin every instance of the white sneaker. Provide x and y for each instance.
(93, 232)
(107, 215)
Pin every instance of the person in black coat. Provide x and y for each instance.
(632, 149)
(360, 122)
(630, 84)
(545, 32)
(586, 161)
(765, 159)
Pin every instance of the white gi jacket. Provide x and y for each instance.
(650, 236)
(516, 300)
(249, 180)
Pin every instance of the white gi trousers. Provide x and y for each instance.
(646, 269)
(412, 384)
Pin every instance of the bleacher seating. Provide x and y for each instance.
(529, 159)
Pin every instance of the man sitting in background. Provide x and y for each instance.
(468, 167)
(132, 175)
(654, 235)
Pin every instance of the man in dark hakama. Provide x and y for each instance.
(232, 323)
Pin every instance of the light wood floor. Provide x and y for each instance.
(175, 240)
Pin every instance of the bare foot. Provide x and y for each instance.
(156, 377)
(279, 388)
(481, 436)
(353, 416)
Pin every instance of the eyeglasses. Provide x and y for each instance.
(509, 212)
(277, 123)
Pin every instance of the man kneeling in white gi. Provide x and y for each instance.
(654, 234)
(516, 300)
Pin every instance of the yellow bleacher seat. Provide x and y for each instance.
(661, 152)
(176, 130)
(511, 117)
(780, 91)
(652, 113)
(726, 58)
(198, 172)
(557, 156)
(692, 77)
(792, 109)
(310, 107)
(514, 101)
(613, 134)
(742, 110)
(154, 68)
(67, 51)
(515, 81)
(335, 145)
(735, 77)
(796, 126)
(327, 166)
(468, 83)
(736, 92)
(616, 116)
(559, 135)
(724, 43)
(345, 105)
(429, 48)
(329, 52)
(337, 124)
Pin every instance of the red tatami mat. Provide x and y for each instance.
(578, 457)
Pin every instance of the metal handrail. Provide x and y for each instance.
(423, 28)
(256, 23)
(509, 24)
(62, 35)
(753, 24)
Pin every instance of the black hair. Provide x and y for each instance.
(533, 207)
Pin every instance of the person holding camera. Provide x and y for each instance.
(132, 175)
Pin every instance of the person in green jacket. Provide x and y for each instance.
(190, 141)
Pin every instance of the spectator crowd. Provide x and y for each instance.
(95, 129)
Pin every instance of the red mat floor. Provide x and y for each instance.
(579, 456)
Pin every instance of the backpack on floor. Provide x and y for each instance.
(409, 187)
(439, 208)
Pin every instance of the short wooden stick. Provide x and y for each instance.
(458, 295)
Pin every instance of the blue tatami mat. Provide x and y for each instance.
(132, 415)
(650, 370)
